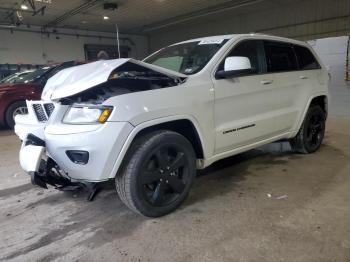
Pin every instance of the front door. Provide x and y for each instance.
(243, 104)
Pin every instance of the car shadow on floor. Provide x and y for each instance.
(222, 176)
(106, 218)
(219, 175)
(223, 172)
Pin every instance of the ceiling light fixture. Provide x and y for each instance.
(105, 17)
(24, 7)
(110, 6)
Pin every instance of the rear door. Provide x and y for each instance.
(310, 74)
(282, 67)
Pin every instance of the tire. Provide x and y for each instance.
(311, 133)
(19, 107)
(157, 174)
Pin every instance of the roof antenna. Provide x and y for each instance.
(113, 7)
(118, 45)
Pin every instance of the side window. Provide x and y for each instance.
(279, 57)
(250, 49)
(306, 59)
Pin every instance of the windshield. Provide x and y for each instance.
(36, 75)
(187, 58)
(8, 78)
(15, 78)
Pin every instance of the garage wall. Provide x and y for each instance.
(307, 19)
(332, 51)
(29, 47)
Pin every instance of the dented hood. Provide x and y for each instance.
(77, 79)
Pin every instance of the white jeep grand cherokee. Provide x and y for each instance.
(149, 125)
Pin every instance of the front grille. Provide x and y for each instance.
(43, 111)
(49, 109)
(40, 113)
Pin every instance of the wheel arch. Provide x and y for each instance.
(322, 101)
(184, 125)
(319, 99)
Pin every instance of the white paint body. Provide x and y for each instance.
(274, 103)
(237, 63)
(33, 153)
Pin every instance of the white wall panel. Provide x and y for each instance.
(307, 19)
(332, 51)
(28, 47)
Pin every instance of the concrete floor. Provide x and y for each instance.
(264, 205)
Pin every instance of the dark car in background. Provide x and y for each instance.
(15, 77)
(29, 87)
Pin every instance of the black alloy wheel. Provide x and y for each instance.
(311, 133)
(164, 175)
(157, 173)
(315, 130)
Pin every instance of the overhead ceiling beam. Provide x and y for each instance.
(41, 10)
(93, 35)
(33, 12)
(15, 9)
(77, 10)
(31, 3)
(197, 14)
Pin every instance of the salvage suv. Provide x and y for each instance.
(150, 124)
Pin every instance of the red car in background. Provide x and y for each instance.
(14, 95)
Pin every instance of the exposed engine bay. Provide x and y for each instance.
(128, 78)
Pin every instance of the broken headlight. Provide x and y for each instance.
(87, 114)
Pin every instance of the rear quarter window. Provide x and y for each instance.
(306, 59)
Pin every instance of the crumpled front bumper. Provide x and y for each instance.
(27, 124)
(42, 170)
(103, 143)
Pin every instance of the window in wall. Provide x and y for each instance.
(92, 51)
(280, 57)
(306, 59)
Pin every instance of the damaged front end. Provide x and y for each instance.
(44, 171)
(98, 81)
(68, 141)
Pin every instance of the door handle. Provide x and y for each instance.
(303, 77)
(266, 82)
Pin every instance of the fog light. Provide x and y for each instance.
(78, 156)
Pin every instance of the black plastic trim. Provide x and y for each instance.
(78, 156)
(34, 140)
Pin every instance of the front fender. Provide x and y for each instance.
(151, 123)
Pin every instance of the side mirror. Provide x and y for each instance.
(234, 66)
